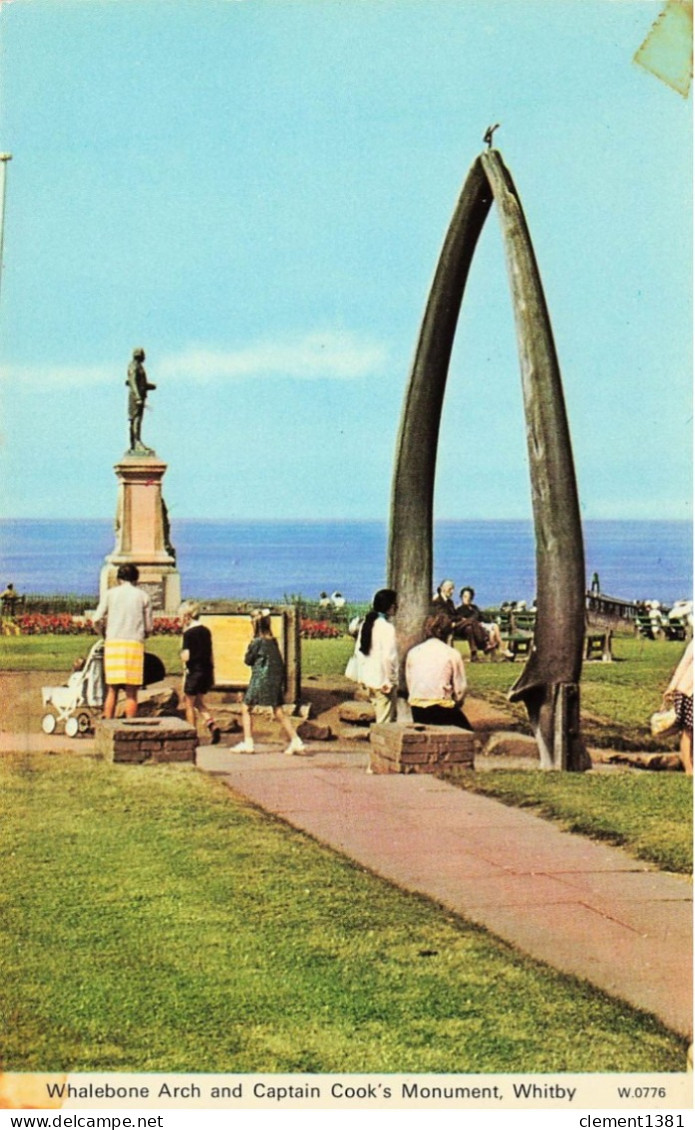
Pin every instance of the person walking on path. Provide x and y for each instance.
(436, 679)
(375, 660)
(680, 693)
(125, 615)
(267, 684)
(199, 670)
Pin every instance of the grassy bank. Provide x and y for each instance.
(650, 814)
(153, 922)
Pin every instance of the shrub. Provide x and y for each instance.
(60, 624)
(63, 624)
(167, 626)
(318, 630)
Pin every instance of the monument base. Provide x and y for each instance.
(162, 583)
(142, 533)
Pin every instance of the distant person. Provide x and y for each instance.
(470, 625)
(680, 693)
(324, 600)
(199, 670)
(682, 614)
(375, 660)
(338, 600)
(435, 677)
(125, 615)
(443, 599)
(267, 684)
(655, 618)
(9, 599)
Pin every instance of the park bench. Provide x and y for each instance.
(599, 645)
(675, 629)
(517, 630)
(665, 630)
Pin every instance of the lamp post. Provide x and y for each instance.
(4, 158)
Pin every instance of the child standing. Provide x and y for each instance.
(199, 676)
(267, 684)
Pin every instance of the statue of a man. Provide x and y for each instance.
(138, 387)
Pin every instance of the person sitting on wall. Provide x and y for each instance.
(435, 677)
(470, 625)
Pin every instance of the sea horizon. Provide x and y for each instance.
(281, 558)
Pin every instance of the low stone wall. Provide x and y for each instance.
(136, 741)
(413, 748)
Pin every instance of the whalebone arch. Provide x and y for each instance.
(549, 683)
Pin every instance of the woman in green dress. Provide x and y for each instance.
(266, 686)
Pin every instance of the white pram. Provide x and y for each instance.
(76, 700)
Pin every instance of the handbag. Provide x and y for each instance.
(664, 723)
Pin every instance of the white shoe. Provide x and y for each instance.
(243, 747)
(296, 746)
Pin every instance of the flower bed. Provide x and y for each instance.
(63, 624)
(318, 630)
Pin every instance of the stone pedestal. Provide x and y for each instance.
(142, 535)
(413, 748)
(140, 740)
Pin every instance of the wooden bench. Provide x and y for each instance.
(517, 631)
(663, 630)
(599, 645)
(518, 643)
(517, 636)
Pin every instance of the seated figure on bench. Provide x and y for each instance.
(443, 601)
(470, 625)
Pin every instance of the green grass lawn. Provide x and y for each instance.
(58, 653)
(154, 922)
(650, 814)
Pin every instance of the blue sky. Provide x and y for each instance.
(257, 191)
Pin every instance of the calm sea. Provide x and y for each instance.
(272, 560)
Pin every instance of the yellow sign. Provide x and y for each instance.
(231, 635)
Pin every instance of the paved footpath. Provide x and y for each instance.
(582, 907)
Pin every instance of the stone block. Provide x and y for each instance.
(141, 740)
(315, 732)
(508, 743)
(357, 713)
(414, 748)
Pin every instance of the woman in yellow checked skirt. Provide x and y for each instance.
(127, 613)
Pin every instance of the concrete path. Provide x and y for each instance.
(584, 908)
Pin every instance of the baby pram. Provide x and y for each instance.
(79, 699)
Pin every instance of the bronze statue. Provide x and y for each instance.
(138, 388)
